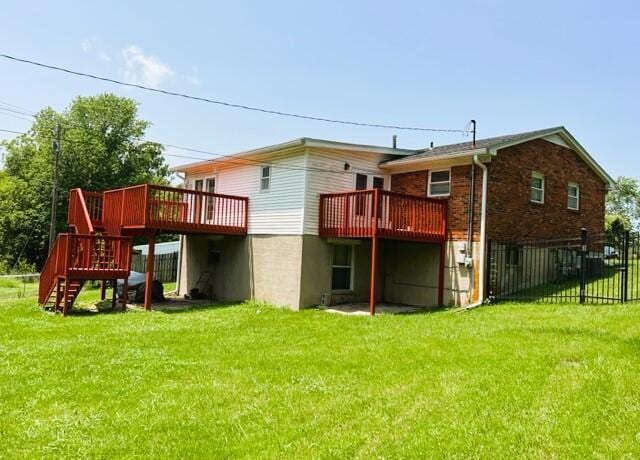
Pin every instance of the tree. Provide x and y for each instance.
(623, 202)
(102, 147)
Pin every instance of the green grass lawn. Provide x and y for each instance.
(253, 381)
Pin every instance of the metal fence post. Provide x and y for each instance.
(583, 265)
(625, 267)
(488, 282)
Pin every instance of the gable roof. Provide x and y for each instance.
(491, 146)
(300, 142)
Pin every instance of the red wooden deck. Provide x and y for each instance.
(379, 213)
(158, 208)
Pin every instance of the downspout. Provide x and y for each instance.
(469, 248)
(483, 229)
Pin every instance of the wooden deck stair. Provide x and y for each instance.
(99, 245)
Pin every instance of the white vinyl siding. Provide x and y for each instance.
(278, 212)
(290, 206)
(339, 180)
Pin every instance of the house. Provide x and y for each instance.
(312, 221)
(335, 222)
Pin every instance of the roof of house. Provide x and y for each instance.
(491, 146)
(302, 141)
(481, 144)
(407, 157)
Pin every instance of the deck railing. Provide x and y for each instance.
(85, 256)
(85, 210)
(175, 209)
(369, 213)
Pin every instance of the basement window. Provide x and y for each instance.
(537, 188)
(573, 196)
(265, 178)
(342, 268)
(439, 183)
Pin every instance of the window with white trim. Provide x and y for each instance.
(573, 196)
(537, 188)
(265, 178)
(439, 183)
(342, 267)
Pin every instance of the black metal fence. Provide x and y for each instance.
(586, 268)
(165, 266)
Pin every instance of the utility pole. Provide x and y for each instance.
(55, 148)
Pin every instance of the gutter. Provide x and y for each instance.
(483, 230)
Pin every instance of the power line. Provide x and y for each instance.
(224, 103)
(228, 159)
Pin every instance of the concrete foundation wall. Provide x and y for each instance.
(411, 273)
(226, 260)
(276, 266)
(265, 268)
(295, 270)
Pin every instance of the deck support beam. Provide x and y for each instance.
(374, 252)
(443, 247)
(114, 285)
(149, 276)
(103, 289)
(372, 284)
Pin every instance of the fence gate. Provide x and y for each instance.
(597, 268)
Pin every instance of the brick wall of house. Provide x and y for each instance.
(415, 183)
(510, 212)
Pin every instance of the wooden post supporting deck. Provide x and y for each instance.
(149, 277)
(374, 253)
(443, 247)
(114, 285)
(103, 289)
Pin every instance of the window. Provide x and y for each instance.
(198, 185)
(537, 188)
(439, 182)
(361, 181)
(265, 177)
(342, 267)
(573, 196)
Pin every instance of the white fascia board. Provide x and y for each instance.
(417, 164)
(303, 141)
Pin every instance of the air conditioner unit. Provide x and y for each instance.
(325, 299)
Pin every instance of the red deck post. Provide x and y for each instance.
(149, 278)
(374, 253)
(103, 289)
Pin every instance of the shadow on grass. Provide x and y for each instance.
(180, 307)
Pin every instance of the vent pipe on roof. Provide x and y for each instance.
(473, 131)
(395, 142)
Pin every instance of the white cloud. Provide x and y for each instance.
(143, 69)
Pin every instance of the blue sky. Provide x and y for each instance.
(514, 66)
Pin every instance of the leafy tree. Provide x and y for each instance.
(623, 202)
(102, 147)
